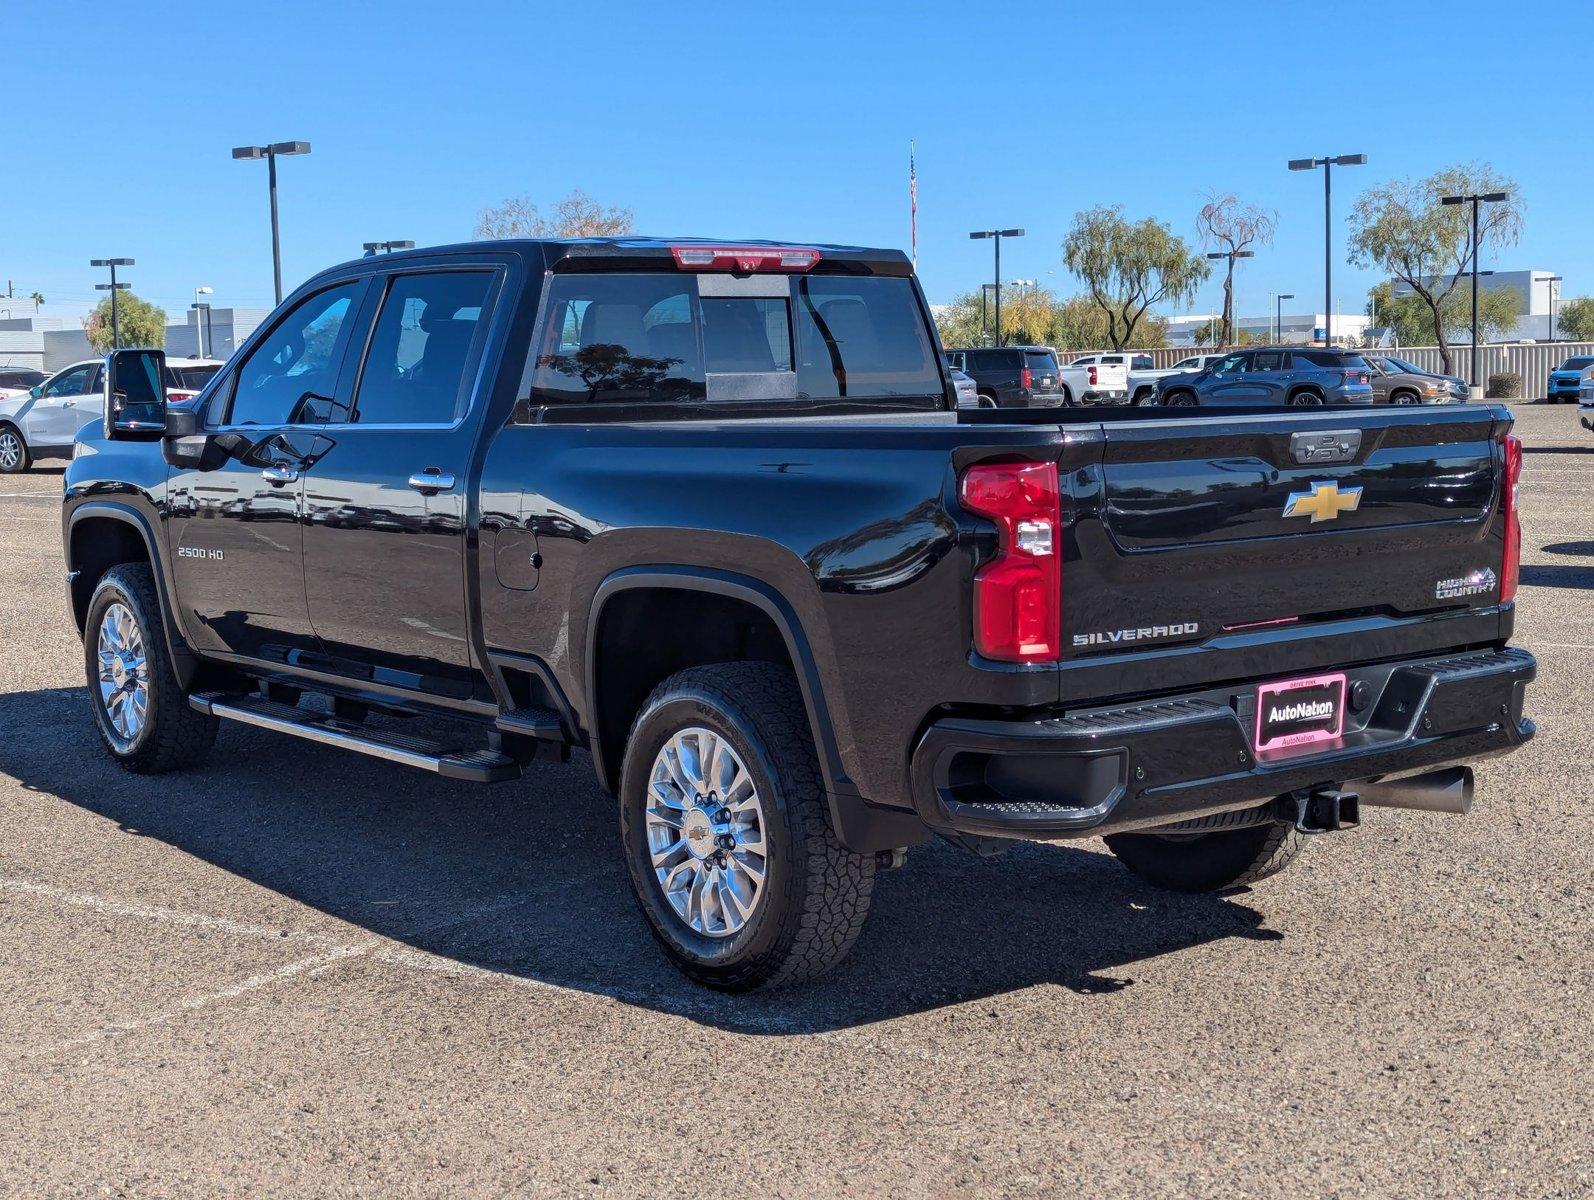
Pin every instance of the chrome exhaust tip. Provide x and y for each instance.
(1444, 791)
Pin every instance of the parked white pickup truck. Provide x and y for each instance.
(1142, 374)
(1103, 378)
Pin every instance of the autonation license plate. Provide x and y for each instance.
(1299, 712)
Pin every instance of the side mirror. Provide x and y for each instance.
(135, 392)
(36, 390)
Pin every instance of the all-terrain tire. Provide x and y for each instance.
(1212, 861)
(172, 735)
(816, 893)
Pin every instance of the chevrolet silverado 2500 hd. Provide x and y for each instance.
(709, 512)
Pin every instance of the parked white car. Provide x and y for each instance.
(15, 381)
(43, 422)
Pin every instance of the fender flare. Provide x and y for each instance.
(860, 826)
(184, 662)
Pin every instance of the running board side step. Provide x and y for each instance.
(475, 765)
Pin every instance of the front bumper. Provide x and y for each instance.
(1134, 766)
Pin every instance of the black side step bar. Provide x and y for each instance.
(472, 764)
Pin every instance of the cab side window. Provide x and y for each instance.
(427, 333)
(70, 383)
(291, 377)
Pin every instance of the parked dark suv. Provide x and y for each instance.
(1276, 375)
(1013, 376)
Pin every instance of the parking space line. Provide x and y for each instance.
(170, 916)
(193, 1003)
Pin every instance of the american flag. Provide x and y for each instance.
(913, 205)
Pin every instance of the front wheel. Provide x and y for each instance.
(140, 708)
(727, 835)
(1179, 399)
(13, 451)
(1209, 861)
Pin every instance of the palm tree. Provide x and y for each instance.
(37, 297)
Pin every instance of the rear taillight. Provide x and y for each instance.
(1092, 371)
(1511, 568)
(1018, 594)
(1026, 378)
(743, 259)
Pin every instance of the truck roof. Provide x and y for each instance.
(653, 253)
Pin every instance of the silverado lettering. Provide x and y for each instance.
(1135, 635)
(707, 513)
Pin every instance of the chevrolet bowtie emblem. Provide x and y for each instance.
(1323, 502)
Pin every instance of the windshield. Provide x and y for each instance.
(1577, 363)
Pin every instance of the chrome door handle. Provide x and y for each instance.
(432, 480)
(280, 473)
(69, 404)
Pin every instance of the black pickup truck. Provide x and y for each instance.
(709, 512)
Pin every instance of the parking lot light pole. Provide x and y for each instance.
(386, 247)
(1475, 200)
(1328, 165)
(201, 311)
(1555, 294)
(1278, 315)
(997, 235)
(270, 153)
(1231, 320)
(113, 287)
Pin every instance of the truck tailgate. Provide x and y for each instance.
(1193, 529)
(1111, 377)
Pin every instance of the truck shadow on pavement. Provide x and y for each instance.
(525, 880)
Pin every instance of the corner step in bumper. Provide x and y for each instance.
(477, 765)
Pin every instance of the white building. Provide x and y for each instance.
(1534, 291)
(1293, 328)
(30, 338)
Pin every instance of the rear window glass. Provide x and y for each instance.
(652, 338)
(1142, 362)
(1040, 360)
(189, 378)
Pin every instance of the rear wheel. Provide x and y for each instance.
(140, 708)
(1306, 399)
(1209, 861)
(13, 451)
(727, 834)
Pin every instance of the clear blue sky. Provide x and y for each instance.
(752, 119)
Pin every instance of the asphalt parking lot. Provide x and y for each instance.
(302, 972)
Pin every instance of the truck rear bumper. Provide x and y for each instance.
(1138, 765)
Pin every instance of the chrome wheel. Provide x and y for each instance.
(124, 672)
(705, 830)
(10, 451)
